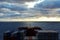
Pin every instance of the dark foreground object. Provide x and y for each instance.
(36, 33)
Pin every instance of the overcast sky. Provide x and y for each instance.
(29, 8)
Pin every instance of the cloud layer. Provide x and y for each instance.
(18, 9)
(16, 1)
(49, 4)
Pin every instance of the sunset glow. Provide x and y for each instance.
(34, 19)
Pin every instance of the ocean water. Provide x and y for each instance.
(4, 26)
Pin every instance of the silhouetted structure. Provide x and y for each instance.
(17, 35)
(22, 28)
(47, 35)
(7, 35)
(34, 33)
(31, 32)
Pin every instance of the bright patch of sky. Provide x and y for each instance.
(32, 4)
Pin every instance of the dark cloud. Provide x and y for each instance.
(13, 7)
(16, 1)
(25, 0)
(48, 7)
(48, 4)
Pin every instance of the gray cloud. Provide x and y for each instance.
(8, 13)
(49, 7)
(16, 1)
(17, 10)
(12, 6)
(49, 4)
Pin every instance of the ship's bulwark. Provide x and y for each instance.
(4, 26)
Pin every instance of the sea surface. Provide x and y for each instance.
(4, 26)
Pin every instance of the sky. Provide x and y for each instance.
(29, 10)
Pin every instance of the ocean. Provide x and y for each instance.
(4, 26)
